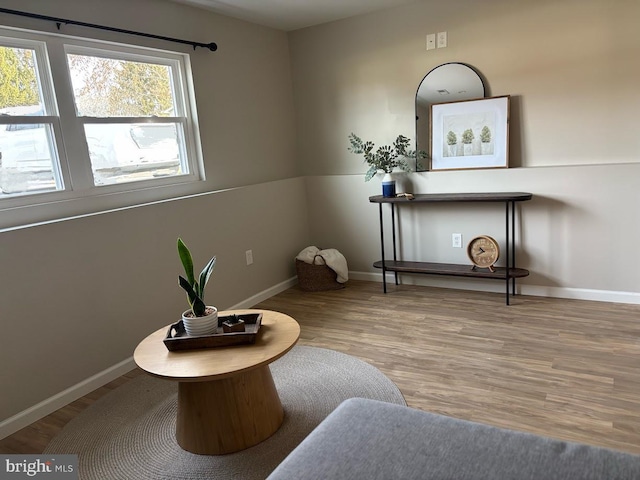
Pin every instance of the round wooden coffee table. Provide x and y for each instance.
(227, 400)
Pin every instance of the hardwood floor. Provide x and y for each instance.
(567, 369)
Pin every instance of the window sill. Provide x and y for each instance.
(59, 206)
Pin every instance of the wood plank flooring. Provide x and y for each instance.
(567, 369)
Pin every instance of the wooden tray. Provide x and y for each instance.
(177, 338)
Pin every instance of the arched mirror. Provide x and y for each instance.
(449, 82)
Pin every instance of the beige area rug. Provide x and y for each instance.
(129, 434)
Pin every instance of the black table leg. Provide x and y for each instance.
(384, 271)
(508, 263)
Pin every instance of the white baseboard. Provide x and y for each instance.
(59, 400)
(582, 294)
(498, 287)
(263, 295)
(50, 405)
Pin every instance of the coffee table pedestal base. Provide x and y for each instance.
(228, 415)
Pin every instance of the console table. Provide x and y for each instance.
(508, 273)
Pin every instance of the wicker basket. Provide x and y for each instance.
(316, 278)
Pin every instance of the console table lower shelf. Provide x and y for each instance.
(451, 269)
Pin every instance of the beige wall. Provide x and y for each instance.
(570, 68)
(78, 295)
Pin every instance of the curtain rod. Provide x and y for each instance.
(211, 46)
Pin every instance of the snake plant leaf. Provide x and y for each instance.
(197, 304)
(205, 274)
(187, 261)
(191, 293)
(198, 308)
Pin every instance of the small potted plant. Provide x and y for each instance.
(233, 324)
(467, 138)
(385, 159)
(452, 141)
(199, 319)
(485, 139)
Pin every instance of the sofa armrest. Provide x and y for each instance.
(369, 439)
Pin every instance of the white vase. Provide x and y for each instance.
(453, 150)
(388, 185)
(485, 148)
(196, 326)
(468, 149)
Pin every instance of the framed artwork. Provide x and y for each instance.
(470, 134)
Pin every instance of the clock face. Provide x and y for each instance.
(483, 251)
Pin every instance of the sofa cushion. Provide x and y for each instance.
(369, 439)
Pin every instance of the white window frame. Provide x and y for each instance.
(79, 195)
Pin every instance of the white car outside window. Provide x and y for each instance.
(26, 159)
(128, 152)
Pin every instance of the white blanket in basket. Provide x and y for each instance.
(330, 257)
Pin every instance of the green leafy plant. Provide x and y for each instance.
(485, 135)
(194, 287)
(452, 138)
(386, 157)
(467, 136)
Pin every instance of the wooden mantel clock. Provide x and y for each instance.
(483, 251)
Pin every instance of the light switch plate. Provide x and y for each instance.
(442, 39)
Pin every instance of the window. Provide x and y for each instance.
(80, 118)
(29, 159)
(133, 120)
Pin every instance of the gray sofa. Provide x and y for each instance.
(368, 439)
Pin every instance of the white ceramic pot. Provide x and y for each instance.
(196, 326)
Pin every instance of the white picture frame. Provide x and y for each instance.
(480, 128)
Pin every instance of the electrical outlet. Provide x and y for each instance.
(456, 240)
(442, 39)
(431, 41)
(249, 255)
